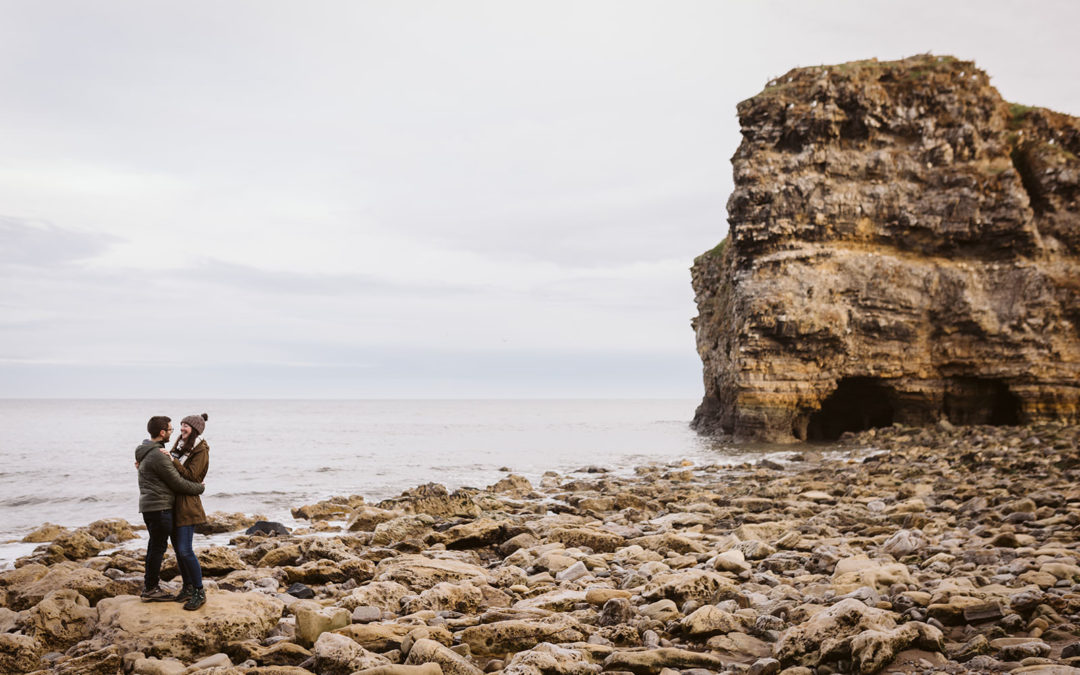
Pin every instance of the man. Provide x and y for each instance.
(159, 482)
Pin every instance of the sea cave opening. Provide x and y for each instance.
(858, 403)
(971, 400)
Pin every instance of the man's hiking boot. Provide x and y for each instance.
(184, 594)
(155, 594)
(197, 599)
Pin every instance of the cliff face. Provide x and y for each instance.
(904, 246)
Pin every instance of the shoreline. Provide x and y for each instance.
(950, 549)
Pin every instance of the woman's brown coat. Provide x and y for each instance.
(188, 509)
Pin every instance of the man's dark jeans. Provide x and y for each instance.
(159, 527)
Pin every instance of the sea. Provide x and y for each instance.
(71, 462)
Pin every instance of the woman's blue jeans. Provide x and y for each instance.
(190, 571)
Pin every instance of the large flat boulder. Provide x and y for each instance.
(166, 629)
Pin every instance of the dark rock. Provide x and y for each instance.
(301, 591)
(268, 527)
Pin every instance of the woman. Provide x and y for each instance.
(191, 456)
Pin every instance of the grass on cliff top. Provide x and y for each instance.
(715, 252)
(918, 66)
(1017, 114)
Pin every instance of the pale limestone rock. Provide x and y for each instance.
(338, 655)
(420, 573)
(19, 653)
(652, 661)
(501, 637)
(61, 619)
(549, 659)
(386, 595)
(166, 629)
(429, 651)
(312, 620)
(691, 584)
(710, 620)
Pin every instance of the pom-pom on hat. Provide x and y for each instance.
(196, 422)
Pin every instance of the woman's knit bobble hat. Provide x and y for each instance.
(196, 422)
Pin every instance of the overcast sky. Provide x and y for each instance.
(404, 199)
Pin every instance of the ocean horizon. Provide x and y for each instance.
(71, 461)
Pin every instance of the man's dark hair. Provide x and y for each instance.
(157, 424)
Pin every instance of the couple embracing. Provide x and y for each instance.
(170, 482)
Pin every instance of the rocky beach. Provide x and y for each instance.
(938, 549)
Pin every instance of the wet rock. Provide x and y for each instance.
(220, 522)
(434, 500)
(366, 518)
(513, 485)
(77, 545)
(324, 510)
(46, 532)
(268, 528)
(111, 530)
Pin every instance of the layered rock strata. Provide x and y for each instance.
(904, 246)
(908, 559)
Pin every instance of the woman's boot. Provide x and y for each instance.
(197, 599)
(185, 593)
